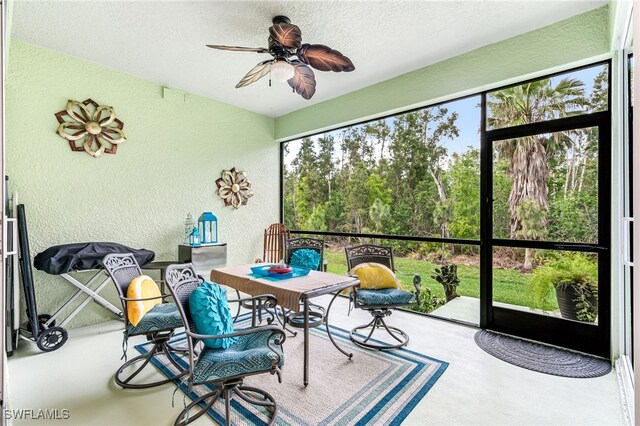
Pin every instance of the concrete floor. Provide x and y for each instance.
(476, 389)
(467, 309)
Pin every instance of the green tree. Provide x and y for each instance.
(379, 213)
(317, 219)
(528, 167)
(377, 189)
(464, 175)
(416, 171)
(356, 200)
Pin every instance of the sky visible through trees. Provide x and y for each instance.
(468, 123)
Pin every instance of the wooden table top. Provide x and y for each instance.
(289, 292)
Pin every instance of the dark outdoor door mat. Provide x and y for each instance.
(542, 358)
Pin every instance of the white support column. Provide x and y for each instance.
(636, 204)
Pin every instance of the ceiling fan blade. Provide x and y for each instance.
(324, 58)
(238, 48)
(303, 80)
(255, 74)
(288, 35)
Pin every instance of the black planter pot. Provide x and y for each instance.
(567, 296)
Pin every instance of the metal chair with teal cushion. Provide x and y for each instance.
(380, 303)
(297, 246)
(306, 253)
(256, 350)
(158, 325)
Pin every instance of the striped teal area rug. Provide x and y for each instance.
(378, 388)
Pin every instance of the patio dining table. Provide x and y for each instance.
(290, 294)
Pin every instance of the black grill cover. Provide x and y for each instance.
(65, 258)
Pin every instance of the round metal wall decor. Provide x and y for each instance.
(234, 188)
(90, 127)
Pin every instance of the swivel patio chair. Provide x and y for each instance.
(380, 303)
(257, 350)
(292, 246)
(158, 325)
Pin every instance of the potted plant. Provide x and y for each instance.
(575, 281)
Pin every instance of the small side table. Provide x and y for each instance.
(204, 257)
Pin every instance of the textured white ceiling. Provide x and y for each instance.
(164, 41)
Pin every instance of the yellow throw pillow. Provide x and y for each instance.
(374, 276)
(142, 287)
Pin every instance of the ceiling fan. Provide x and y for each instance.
(292, 58)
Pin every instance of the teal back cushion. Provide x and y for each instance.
(210, 314)
(306, 258)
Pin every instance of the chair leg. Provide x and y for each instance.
(160, 346)
(227, 407)
(282, 319)
(267, 400)
(379, 323)
(228, 391)
(185, 419)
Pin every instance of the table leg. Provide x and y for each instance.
(306, 342)
(326, 322)
(253, 313)
(239, 307)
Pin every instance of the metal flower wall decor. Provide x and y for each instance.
(234, 188)
(90, 127)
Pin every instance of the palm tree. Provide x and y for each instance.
(527, 156)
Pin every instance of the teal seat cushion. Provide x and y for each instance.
(306, 258)
(163, 316)
(249, 354)
(210, 314)
(385, 296)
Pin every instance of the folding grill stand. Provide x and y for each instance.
(90, 295)
(42, 328)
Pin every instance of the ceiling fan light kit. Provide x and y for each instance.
(292, 60)
(281, 71)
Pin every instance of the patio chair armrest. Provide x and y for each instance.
(275, 330)
(129, 299)
(417, 280)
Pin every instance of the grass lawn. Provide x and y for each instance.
(509, 286)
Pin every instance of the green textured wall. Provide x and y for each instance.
(141, 195)
(614, 5)
(573, 39)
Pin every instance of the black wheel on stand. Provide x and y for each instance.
(52, 338)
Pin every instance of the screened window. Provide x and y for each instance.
(413, 174)
(506, 200)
